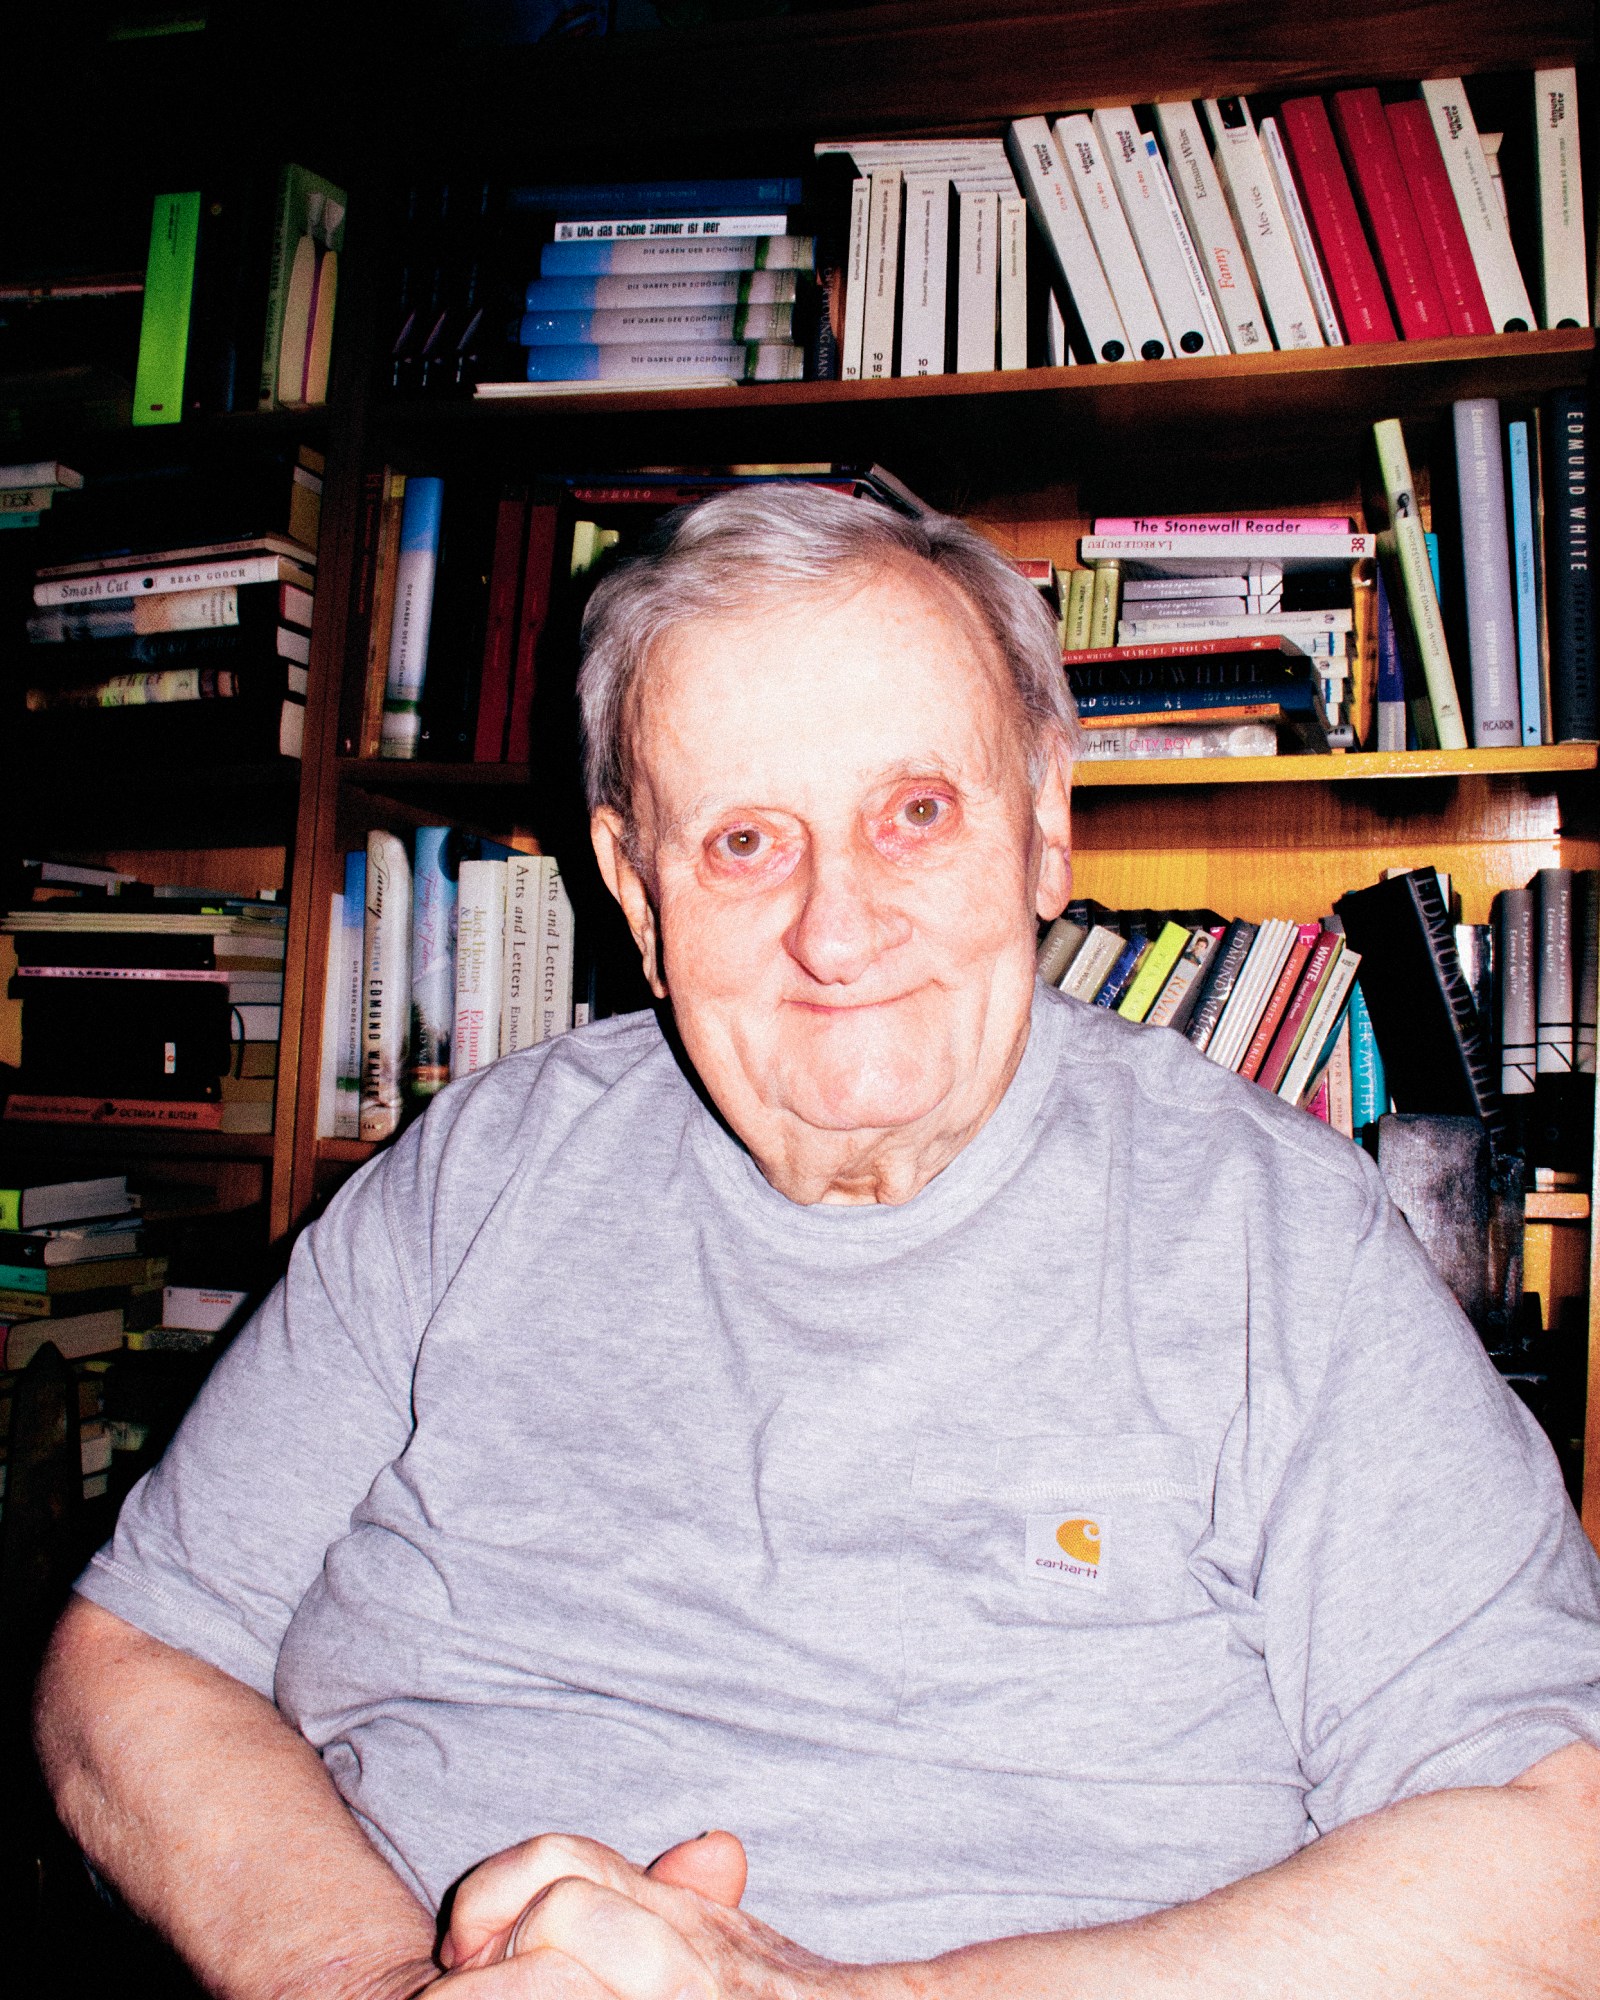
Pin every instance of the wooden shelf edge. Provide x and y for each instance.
(1556, 1205)
(381, 773)
(67, 1137)
(348, 1152)
(1338, 362)
(1341, 768)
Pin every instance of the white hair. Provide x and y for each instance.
(764, 545)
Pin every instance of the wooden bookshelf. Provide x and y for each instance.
(1342, 768)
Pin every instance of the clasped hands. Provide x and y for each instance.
(563, 1918)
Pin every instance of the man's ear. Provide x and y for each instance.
(1052, 813)
(607, 833)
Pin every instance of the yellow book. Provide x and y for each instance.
(1422, 600)
(1153, 974)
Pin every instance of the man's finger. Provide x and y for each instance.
(631, 1951)
(538, 1975)
(492, 1898)
(713, 1865)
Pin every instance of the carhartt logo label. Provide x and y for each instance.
(1065, 1549)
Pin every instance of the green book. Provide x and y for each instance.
(168, 294)
(308, 230)
(1154, 969)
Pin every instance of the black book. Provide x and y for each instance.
(1569, 567)
(1434, 1054)
(1218, 980)
(458, 623)
(89, 1037)
(166, 950)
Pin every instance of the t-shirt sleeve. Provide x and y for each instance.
(1431, 1604)
(215, 1548)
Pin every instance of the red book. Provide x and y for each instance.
(538, 577)
(1314, 155)
(1391, 220)
(500, 636)
(1278, 1005)
(1439, 219)
(1287, 1039)
(1185, 649)
(35, 1107)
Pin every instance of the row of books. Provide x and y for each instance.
(440, 961)
(1123, 234)
(220, 621)
(1235, 629)
(28, 491)
(141, 1007)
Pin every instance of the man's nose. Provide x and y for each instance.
(844, 922)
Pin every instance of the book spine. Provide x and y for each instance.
(1279, 995)
(1486, 561)
(1327, 1025)
(538, 578)
(633, 325)
(1139, 741)
(32, 1107)
(707, 198)
(1154, 970)
(352, 965)
(855, 283)
(1012, 213)
(1087, 973)
(1586, 962)
(500, 630)
(1262, 226)
(670, 361)
(1103, 603)
(1514, 926)
(635, 259)
(1525, 576)
(386, 985)
(480, 966)
(1218, 983)
(123, 586)
(1422, 598)
(518, 980)
(1080, 610)
(1058, 948)
(1385, 198)
(1563, 269)
(1434, 202)
(1305, 244)
(1569, 572)
(332, 1008)
(977, 276)
(1122, 147)
(1108, 225)
(556, 954)
(168, 297)
(768, 223)
(1391, 692)
(1314, 152)
(1042, 176)
(416, 565)
(1482, 217)
(380, 621)
(1206, 305)
(1210, 219)
(433, 966)
(883, 273)
(924, 274)
(628, 294)
(1176, 1001)
(1553, 1042)
(285, 240)
(1296, 1017)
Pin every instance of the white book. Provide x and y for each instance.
(352, 972)
(1481, 214)
(1042, 177)
(1327, 1008)
(1057, 354)
(1293, 625)
(519, 977)
(1119, 258)
(1013, 259)
(883, 274)
(1259, 218)
(333, 1007)
(480, 966)
(855, 281)
(385, 985)
(1305, 244)
(977, 281)
(1241, 1016)
(1087, 973)
(1122, 147)
(979, 164)
(1216, 332)
(1563, 268)
(924, 274)
(556, 951)
(1200, 554)
(112, 586)
(1239, 581)
(653, 227)
(1205, 209)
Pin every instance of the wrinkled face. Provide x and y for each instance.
(837, 825)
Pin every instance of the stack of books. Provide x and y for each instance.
(663, 282)
(74, 1269)
(140, 1007)
(27, 491)
(440, 961)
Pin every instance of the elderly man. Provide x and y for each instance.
(1026, 1483)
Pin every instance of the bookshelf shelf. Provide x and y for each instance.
(1340, 768)
(25, 1135)
(383, 774)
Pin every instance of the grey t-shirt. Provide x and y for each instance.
(1084, 1534)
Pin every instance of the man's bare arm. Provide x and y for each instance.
(1491, 1893)
(218, 1824)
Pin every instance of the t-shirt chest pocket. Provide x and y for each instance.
(1048, 1618)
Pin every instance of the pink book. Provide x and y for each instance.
(1439, 219)
(1314, 155)
(1391, 220)
(1220, 524)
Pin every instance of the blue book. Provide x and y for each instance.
(413, 611)
(433, 958)
(1525, 579)
(1121, 975)
(695, 197)
(691, 288)
(627, 257)
(1432, 541)
(1369, 1090)
(1391, 690)
(667, 361)
(347, 1083)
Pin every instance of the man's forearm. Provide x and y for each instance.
(1486, 1892)
(218, 1824)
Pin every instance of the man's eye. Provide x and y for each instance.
(922, 812)
(742, 844)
